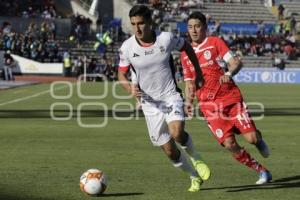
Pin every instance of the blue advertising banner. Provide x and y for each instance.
(268, 75)
(238, 28)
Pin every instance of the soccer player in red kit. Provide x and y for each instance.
(220, 100)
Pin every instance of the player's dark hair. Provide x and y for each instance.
(198, 15)
(140, 10)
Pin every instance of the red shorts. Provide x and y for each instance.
(227, 121)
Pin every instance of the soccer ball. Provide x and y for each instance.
(93, 182)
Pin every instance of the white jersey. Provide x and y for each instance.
(152, 64)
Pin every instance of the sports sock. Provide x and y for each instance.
(189, 148)
(244, 157)
(183, 164)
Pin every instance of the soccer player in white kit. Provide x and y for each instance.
(148, 54)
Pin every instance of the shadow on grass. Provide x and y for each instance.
(286, 182)
(121, 194)
(18, 197)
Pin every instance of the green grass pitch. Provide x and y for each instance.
(42, 158)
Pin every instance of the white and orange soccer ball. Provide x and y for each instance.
(93, 182)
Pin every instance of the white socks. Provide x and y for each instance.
(190, 149)
(184, 165)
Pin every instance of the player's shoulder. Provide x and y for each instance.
(213, 39)
(128, 42)
(165, 35)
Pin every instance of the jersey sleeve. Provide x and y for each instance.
(176, 42)
(223, 50)
(188, 68)
(124, 63)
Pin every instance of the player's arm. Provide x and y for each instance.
(194, 60)
(234, 65)
(124, 67)
(190, 88)
(132, 89)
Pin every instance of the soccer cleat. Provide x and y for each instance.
(202, 169)
(263, 148)
(195, 184)
(264, 177)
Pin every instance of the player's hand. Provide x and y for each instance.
(225, 79)
(188, 109)
(135, 91)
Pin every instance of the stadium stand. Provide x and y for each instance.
(292, 8)
(249, 27)
(251, 11)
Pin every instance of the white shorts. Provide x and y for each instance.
(159, 113)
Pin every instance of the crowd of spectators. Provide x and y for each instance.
(36, 43)
(105, 65)
(81, 28)
(39, 42)
(28, 8)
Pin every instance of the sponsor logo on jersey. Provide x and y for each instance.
(219, 133)
(149, 52)
(135, 55)
(207, 55)
(169, 109)
(162, 49)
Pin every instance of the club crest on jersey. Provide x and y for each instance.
(207, 55)
(219, 133)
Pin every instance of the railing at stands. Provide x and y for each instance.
(86, 4)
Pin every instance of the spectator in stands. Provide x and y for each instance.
(289, 51)
(110, 70)
(8, 67)
(261, 27)
(79, 66)
(67, 64)
(280, 11)
(91, 68)
(278, 62)
(78, 35)
(6, 28)
(293, 24)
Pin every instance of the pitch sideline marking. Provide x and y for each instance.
(30, 97)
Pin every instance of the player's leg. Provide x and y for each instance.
(242, 156)
(255, 138)
(180, 161)
(159, 135)
(245, 125)
(175, 120)
(176, 129)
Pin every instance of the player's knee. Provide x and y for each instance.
(176, 131)
(252, 138)
(173, 154)
(231, 145)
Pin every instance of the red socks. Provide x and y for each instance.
(244, 157)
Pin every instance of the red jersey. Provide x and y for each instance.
(212, 53)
